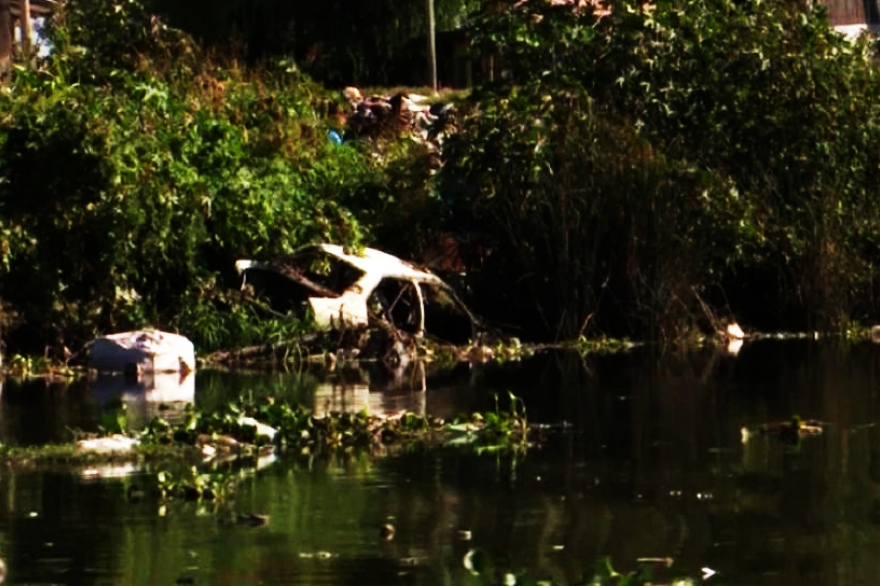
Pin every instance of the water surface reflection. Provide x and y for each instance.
(653, 466)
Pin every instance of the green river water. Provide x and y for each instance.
(652, 464)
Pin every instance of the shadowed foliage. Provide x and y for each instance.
(632, 160)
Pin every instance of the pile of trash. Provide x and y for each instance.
(419, 116)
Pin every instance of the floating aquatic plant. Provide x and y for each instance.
(205, 456)
(247, 429)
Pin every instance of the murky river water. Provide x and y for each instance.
(653, 465)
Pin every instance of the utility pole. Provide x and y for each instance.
(432, 45)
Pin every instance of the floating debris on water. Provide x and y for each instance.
(251, 519)
(477, 561)
(386, 532)
(789, 431)
(111, 471)
(107, 445)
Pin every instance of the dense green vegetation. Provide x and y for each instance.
(636, 164)
(135, 172)
(639, 171)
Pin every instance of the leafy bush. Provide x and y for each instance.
(400, 204)
(759, 105)
(135, 171)
(584, 217)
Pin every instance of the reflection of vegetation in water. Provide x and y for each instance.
(216, 388)
(22, 367)
(297, 428)
(115, 417)
(202, 457)
(233, 432)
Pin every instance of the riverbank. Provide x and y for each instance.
(562, 203)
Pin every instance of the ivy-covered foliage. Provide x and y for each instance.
(635, 159)
(134, 171)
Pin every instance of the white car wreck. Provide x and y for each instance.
(343, 289)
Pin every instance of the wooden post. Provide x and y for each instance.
(5, 35)
(26, 27)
